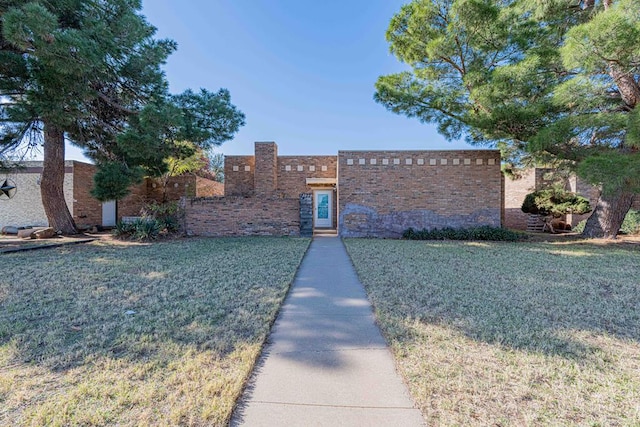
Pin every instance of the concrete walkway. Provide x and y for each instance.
(326, 363)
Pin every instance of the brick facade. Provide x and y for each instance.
(375, 193)
(86, 211)
(382, 193)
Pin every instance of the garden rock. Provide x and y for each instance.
(9, 229)
(26, 233)
(45, 233)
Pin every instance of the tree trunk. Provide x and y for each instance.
(607, 217)
(52, 182)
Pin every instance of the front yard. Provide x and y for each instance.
(510, 334)
(115, 334)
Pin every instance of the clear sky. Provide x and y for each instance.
(303, 72)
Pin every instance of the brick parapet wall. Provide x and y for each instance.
(239, 175)
(293, 172)
(242, 216)
(382, 193)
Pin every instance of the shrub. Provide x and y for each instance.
(631, 223)
(555, 202)
(124, 230)
(167, 215)
(146, 229)
(579, 228)
(475, 233)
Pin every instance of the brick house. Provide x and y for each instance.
(357, 193)
(26, 209)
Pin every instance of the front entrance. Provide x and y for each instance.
(323, 209)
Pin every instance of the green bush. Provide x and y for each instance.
(555, 201)
(146, 229)
(166, 214)
(124, 230)
(631, 223)
(475, 233)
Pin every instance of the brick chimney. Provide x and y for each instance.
(266, 168)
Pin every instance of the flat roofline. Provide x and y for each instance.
(451, 150)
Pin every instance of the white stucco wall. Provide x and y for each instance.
(26, 208)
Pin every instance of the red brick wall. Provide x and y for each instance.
(87, 211)
(242, 216)
(133, 203)
(238, 175)
(382, 193)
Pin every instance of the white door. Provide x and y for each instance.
(323, 208)
(109, 213)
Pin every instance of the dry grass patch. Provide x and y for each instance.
(161, 334)
(510, 334)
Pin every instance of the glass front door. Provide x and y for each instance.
(323, 208)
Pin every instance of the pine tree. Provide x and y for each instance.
(555, 80)
(89, 72)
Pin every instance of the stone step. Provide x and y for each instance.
(325, 232)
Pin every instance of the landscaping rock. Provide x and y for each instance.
(45, 233)
(9, 229)
(26, 233)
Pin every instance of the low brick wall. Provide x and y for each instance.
(242, 216)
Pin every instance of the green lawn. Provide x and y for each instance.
(131, 334)
(510, 334)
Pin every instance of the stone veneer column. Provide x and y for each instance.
(266, 168)
(306, 214)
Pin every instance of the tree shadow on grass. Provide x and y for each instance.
(65, 308)
(537, 298)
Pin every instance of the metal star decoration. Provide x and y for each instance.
(7, 190)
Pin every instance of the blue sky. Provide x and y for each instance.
(303, 72)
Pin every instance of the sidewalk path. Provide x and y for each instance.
(325, 362)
